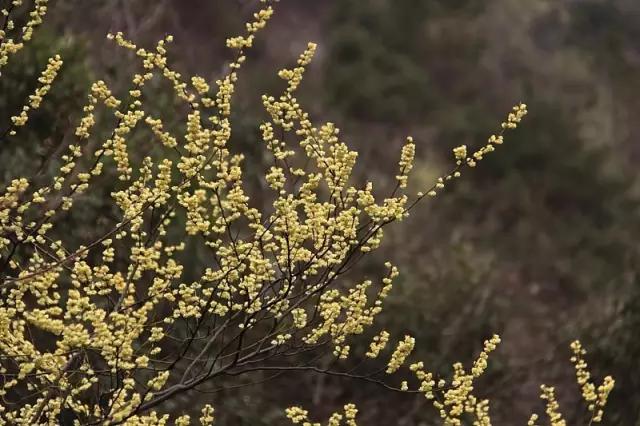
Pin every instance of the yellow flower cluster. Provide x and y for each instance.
(596, 398)
(480, 364)
(294, 76)
(553, 408)
(318, 220)
(299, 316)
(406, 162)
(515, 117)
(460, 153)
(453, 400)
(298, 415)
(78, 316)
(462, 158)
(46, 79)
(458, 398)
(261, 18)
(378, 344)
(207, 417)
(402, 351)
(9, 46)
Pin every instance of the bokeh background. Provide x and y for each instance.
(538, 244)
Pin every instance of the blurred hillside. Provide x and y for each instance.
(539, 244)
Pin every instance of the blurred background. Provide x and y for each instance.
(538, 244)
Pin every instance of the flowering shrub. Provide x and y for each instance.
(110, 330)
